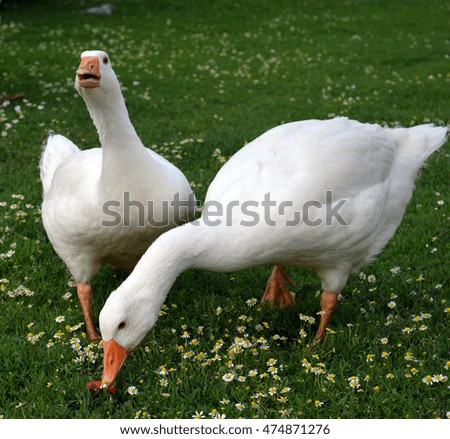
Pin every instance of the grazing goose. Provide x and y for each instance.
(321, 194)
(108, 204)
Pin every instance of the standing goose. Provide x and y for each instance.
(350, 182)
(108, 204)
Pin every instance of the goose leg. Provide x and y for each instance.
(84, 292)
(328, 302)
(277, 290)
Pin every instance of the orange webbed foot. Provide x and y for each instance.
(276, 291)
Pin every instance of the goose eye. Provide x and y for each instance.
(121, 325)
(105, 60)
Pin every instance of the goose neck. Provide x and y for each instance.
(110, 117)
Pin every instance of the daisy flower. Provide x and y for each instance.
(34, 338)
(132, 390)
(198, 415)
(228, 377)
(353, 382)
(273, 370)
(395, 270)
(271, 362)
(428, 380)
(371, 278)
(272, 391)
(303, 333)
(216, 415)
(439, 378)
(163, 370)
(251, 302)
(409, 356)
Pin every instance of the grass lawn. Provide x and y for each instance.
(202, 78)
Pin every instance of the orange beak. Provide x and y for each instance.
(88, 72)
(114, 357)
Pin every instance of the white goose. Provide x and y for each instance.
(107, 205)
(351, 181)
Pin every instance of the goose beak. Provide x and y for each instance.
(114, 357)
(88, 73)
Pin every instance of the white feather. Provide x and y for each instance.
(57, 149)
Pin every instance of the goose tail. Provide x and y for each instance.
(414, 145)
(432, 137)
(56, 149)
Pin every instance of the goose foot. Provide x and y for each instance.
(276, 289)
(328, 302)
(84, 292)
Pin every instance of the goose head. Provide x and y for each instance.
(124, 322)
(97, 83)
(132, 310)
(95, 73)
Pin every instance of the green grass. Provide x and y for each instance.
(202, 78)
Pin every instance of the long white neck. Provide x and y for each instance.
(172, 253)
(147, 287)
(110, 116)
(123, 151)
(193, 245)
